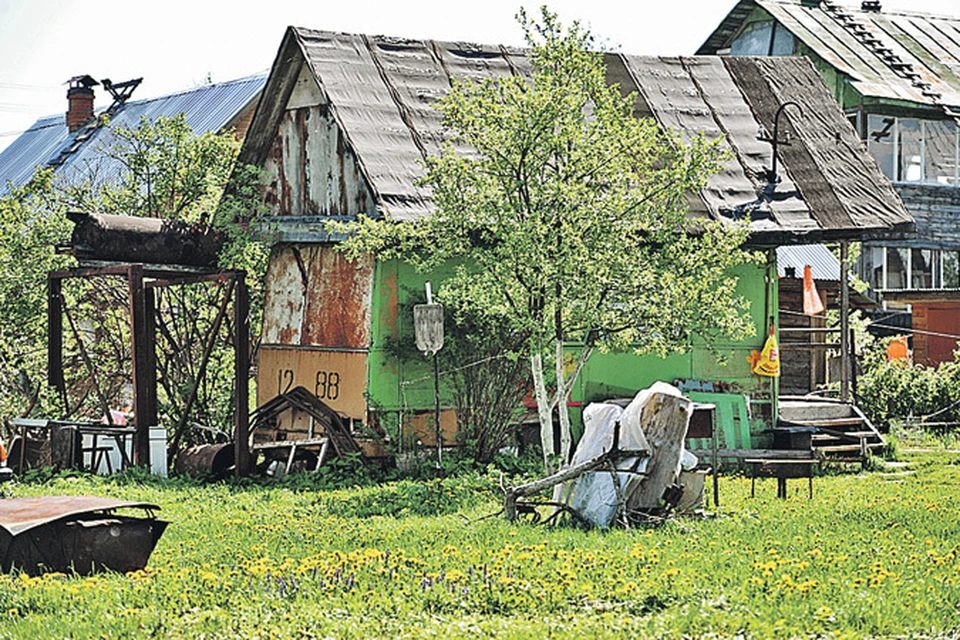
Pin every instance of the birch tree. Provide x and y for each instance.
(569, 219)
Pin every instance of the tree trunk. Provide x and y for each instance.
(566, 438)
(543, 408)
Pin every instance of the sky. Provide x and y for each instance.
(178, 44)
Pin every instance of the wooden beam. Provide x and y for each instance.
(140, 365)
(241, 396)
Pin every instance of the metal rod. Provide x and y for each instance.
(436, 396)
(104, 406)
(204, 359)
(844, 321)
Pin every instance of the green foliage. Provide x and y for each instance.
(891, 392)
(28, 233)
(407, 560)
(568, 218)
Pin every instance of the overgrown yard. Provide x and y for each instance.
(870, 555)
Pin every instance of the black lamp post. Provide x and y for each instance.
(775, 140)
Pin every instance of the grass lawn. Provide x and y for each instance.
(871, 555)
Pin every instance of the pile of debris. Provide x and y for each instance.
(627, 467)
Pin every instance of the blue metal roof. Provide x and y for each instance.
(823, 264)
(207, 108)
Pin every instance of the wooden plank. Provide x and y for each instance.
(753, 453)
(241, 396)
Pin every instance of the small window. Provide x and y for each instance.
(940, 152)
(921, 269)
(911, 150)
(897, 263)
(881, 132)
(951, 269)
(754, 40)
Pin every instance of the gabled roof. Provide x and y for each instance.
(890, 55)
(81, 154)
(381, 91)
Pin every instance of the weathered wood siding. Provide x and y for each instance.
(312, 169)
(937, 212)
(802, 367)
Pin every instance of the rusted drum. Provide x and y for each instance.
(99, 236)
(205, 459)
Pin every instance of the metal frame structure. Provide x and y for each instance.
(142, 281)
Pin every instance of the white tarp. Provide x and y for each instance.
(594, 495)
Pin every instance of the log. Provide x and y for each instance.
(531, 488)
(664, 419)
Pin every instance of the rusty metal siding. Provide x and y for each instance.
(338, 300)
(316, 297)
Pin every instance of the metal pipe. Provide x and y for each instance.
(844, 322)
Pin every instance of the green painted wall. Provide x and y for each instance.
(406, 385)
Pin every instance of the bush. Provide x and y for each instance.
(892, 392)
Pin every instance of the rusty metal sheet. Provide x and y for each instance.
(285, 298)
(22, 514)
(337, 378)
(338, 293)
(317, 297)
(420, 425)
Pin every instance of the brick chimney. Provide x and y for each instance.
(80, 102)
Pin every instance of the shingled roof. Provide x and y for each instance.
(381, 90)
(890, 55)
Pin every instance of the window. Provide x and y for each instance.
(921, 269)
(898, 262)
(763, 39)
(940, 152)
(913, 150)
(950, 266)
(903, 268)
(881, 143)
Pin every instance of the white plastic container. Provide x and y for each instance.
(158, 451)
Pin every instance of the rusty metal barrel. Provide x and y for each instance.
(205, 459)
(112, 238)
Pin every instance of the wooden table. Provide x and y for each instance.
(95, 430)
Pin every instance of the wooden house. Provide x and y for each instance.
(895, 75)
(346, 121)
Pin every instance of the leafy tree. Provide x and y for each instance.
(569, 219)
(170, 172)
(27, 238)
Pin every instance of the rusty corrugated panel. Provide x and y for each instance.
(317, 297)
(338, 299)
(22, 514)
(286, 287)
